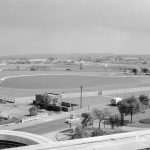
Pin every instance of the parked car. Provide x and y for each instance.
(72, 119)
(68, 69)
(115, 100)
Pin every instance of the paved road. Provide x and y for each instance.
(45, 127)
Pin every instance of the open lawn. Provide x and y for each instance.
(136, 94)
(89, 101)
(138, 117)
(64, 82)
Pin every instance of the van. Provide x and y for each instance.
(115, 100)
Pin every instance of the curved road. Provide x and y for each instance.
(46, 127)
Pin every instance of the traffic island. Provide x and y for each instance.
(64, 135)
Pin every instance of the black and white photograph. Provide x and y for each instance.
(75, 74)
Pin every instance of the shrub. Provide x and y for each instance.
(98, 132)
(80, 133)
(33, 111)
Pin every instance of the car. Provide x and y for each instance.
(72, 119)
(115, 100)
(68, 69)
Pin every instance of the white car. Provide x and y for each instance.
(73, 119)
(115, 100)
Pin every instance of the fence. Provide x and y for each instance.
(86, 94)
(31, 118)
(76, 95)
(28, 99)
(129, 90)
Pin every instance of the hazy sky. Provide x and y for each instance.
(72, 26)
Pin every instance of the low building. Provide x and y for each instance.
(37, 61)
(50, 98)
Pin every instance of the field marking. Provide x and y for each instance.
(4, 78)
(72, 74)
(92, 75)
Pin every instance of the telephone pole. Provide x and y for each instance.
(81, 97)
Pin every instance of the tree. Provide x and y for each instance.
(122, 109)
(33, 111)
(144, 99)
(87, 120)
(100, 115)
(81, 66)
(44, 101)
(130, 105)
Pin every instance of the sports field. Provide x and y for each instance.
(30, 83)
(65, 81)
(61, 81)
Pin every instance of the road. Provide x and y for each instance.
(58, 124)
(46, 127)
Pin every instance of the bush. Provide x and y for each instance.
(33, 111)
(98, 132)
(116, 122)
(80, 133)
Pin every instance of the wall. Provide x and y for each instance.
(76, 95)
(129, 90)
(123, 141)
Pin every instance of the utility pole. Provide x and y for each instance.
(131, 107)
(81, 66)
(81, 98)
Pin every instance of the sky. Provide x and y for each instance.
(74, 26)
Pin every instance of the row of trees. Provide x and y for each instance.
(132, 105)
(81, 131)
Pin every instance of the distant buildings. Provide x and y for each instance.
(87, 59)
(38, 61)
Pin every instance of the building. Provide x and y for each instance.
(37, 61)
(49, 98)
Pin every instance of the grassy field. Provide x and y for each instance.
(68, 82)
(136, 94)
(89, 101)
